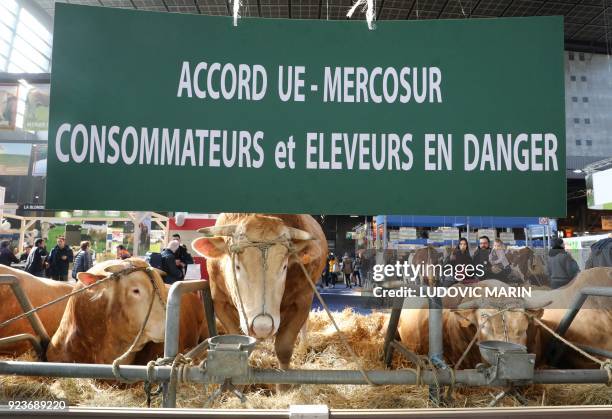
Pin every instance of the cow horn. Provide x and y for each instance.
(467, 305)
(224, 230)
(113, 269)
(297, 234)
(534, 304)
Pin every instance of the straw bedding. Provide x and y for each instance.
(322, 349)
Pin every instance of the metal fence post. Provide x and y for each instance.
(396, 312)
(436, 344)
(173, 322)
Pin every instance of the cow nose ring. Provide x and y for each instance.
(263, 324)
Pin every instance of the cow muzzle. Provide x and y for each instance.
(262, 326)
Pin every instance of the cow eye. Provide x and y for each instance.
(237, 267)
(136, 291)
(284, 267)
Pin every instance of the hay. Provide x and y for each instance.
(322, 350)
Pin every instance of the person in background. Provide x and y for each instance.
(170, 265)
(182, 254)
(481, 255)
(601, 254)
(357, 270)
(562, 268)
(122, 252)
(333, 275)
(325, 274)
(60, 258)
(83, 260)
(35, 264)
(460, 256)
(7, 256)
(347, 270)
(499, 265)
(26, 252)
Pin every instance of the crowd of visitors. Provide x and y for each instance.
(346, 269)
(61, 261)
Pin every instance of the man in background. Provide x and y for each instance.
(561, 266)
(601, 253)
(170, 264)
(182, 255)
(6, 254)
(26, 252)
(59, 259)
(35, 264)
(347, 270)
(122, 252)
(482, 254)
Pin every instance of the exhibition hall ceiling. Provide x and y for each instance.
(588, 23)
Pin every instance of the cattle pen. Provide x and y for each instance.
(228, 366)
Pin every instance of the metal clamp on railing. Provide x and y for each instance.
(508, 361)
(228, 355)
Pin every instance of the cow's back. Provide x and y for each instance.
(39, 291)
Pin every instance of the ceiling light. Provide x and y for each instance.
(577, 171)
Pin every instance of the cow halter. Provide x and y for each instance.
(237, 245)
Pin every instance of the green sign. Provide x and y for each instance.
(183, 112)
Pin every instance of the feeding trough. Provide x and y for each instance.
(508, 361)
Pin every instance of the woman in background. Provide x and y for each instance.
(460, 258)
(83, 260)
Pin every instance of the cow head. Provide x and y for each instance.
(500, 319)
(126, 299)
(254, 258)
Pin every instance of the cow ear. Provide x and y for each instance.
(306, 250)
(210, 247)
(88, 279)
(465, 317)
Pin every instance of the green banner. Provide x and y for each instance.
(183, 112)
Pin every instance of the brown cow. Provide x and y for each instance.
(39, 291)
(428, 257)
(526, 265)
(593, 323)
(101, 323)
(460, 325)
(274, 301)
